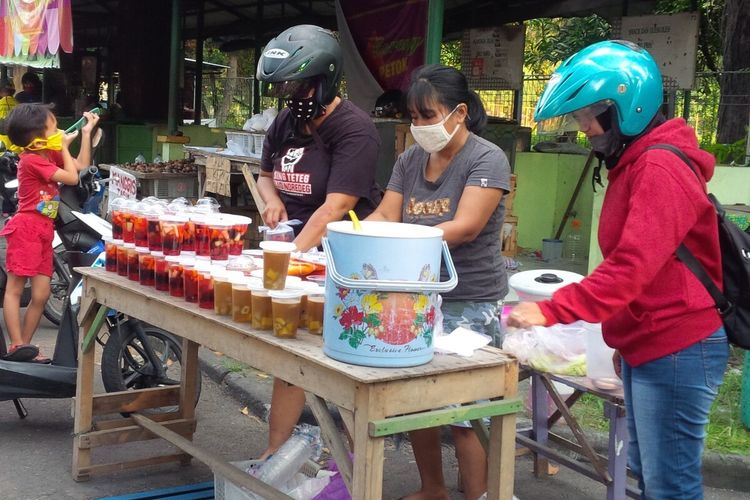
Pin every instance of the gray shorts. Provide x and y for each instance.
(481, 317)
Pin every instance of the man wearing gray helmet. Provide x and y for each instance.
(319, 160)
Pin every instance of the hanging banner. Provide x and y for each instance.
(390, 37)
(35, 29)
(672, 40)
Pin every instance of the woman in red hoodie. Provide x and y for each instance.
(653, 310)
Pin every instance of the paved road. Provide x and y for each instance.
(35, 455)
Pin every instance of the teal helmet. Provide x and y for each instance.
(611, 73)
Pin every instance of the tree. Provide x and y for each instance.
(551, 41)
(735, 81)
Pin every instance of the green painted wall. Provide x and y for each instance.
(546, 181)
(135, 139)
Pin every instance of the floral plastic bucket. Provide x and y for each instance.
(381, 292)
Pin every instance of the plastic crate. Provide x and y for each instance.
(227, 490)
(258, 143)
(169, 187)
(243, 139)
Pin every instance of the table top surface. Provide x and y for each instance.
(304, 345)
(202, 156)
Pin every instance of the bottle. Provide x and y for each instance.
(289, 458)
(573, 241)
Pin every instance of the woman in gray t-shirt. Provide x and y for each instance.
(454, 180)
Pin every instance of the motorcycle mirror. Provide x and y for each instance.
(3, 149)
(12, 184)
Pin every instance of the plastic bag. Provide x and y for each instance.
(559, 349)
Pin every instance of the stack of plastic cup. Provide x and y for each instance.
(132, 255)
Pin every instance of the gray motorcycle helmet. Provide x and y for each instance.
(301, 58)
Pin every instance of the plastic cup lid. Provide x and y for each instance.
(240, 280)
(236, 219)
(202, 266)
(173, 218)
(107, 239)
(287, 293)
(173, 258)
(157, 253)
(187, 253)
(142, 250)
(117, 242)
(542, 282)
(129, 245)
(278, 246)
(186, 261)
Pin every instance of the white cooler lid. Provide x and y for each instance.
(542, 282)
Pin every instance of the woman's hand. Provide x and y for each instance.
(69, 138)
(274, 213)
(526, 314)
(91, 120)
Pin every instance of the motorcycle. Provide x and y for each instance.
(136, 355)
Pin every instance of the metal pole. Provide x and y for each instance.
(174, 66)
(435, 12)
(255, 83)
(198, 90)
(3, 72)
(686, 105)
(747, 149)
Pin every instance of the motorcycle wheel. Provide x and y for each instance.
(59, 284)
(125, 364)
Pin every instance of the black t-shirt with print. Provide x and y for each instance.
(343, 161)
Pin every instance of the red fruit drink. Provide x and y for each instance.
(161, 272)
(110, 254)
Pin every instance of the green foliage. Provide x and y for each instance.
(551, 41)
(726, 434)
(450, 53)
(727, 154)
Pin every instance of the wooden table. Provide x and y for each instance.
(611, 470)
(373, 402)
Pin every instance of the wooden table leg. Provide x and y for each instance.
(501, 457)
(331, 436)
(368, 452)
(84, 402)
(189, 385)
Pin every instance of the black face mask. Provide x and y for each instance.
(607, 144)
(304, 109)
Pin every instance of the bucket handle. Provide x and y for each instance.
(393, 285)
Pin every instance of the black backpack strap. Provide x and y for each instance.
(687, 258)
(685, 255)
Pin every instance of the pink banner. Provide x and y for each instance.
(38, 27)
(390, 37)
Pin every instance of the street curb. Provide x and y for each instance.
(252, 388)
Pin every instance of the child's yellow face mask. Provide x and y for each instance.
(52, 142)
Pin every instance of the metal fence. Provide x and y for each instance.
(704, 103)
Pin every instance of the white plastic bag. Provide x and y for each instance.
(557, 349)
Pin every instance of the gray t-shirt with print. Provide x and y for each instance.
(480, 267)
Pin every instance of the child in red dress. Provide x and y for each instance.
(44, 162)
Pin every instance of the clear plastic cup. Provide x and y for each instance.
(315, 303)
(132, 256)
(117, 217)
(237, 232)
(262, 315)
(110, 254)
(219, 239)
(242, 305)
(205, 288)
(176, 278)
(127, 212)
(207, 204)
(161, 272)
(285, 308)
(223, 290)
(172, 227)
(145, 266)
(122, 259)
(276, 256)
(153, 211)
(192, 276)
(140, 225)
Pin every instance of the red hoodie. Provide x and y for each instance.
(649, 303)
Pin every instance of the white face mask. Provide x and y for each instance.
(433, 138)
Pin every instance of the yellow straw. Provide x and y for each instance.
(355, 221)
